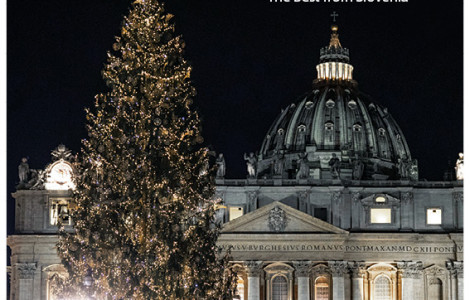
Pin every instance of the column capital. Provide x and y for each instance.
(357, 268)
(339, 268)
(337, 197)
(253, 268)
(455, 268)
(302, 268)
(407, 197)
(26, 270)
(410, 269)
(458, 196)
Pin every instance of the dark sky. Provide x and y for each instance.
(250, 58)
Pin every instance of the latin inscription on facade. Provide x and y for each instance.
(342, 248)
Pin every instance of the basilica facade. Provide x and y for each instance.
(332, 207)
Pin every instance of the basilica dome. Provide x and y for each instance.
(335, 120)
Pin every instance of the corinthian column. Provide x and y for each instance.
(302, 269)
(339, 270)
(26, 273)
(253, 271)
(406, 272)
(453, 280)
(418, 281)
(458, 265)
(358, 271)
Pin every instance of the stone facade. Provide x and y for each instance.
(350, 264)
(330, 213)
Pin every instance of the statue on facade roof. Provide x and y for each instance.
(459, 167)
(334, 164)
(23, 170)
(251, 162)
(302, 163)
(278, 164)
(220, 162)
(403, 168)
(37, 179)
(413, 170)
(358, 168)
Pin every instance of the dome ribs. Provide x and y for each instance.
(336, 118)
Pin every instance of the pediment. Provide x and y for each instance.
(387, 200)
(277, 217)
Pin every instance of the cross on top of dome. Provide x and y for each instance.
(334, 15)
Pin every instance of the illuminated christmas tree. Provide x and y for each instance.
(142, 209)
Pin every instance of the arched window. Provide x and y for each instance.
(435, 289)
(357, 127)
(352, 104)
(381, 132)
(279, 288)
(382, 288)
(330, 103)
(329, 126)
(322, 289)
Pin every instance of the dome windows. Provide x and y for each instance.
(301, 128)
(357, 127)
(309, 105)
(334, 71)
(330, 103)
(381, 132)
(352, 104)
(329, 126)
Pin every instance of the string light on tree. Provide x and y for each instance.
(144, 224)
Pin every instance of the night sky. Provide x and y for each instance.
(250, 59)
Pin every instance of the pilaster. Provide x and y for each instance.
(253, 270)
(453, 280)
(25, 275)
(339, 270)
(252, 200)
(302, 271)
(358, 271)
(455, 269)
(407, 272)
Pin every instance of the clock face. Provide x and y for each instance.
(60, 177)
(61, 173)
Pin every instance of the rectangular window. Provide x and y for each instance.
(321, 213)
(235, 212)
(380, 215)
(433, 216)
(59, 211)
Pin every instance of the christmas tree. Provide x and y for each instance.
(142, 210)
